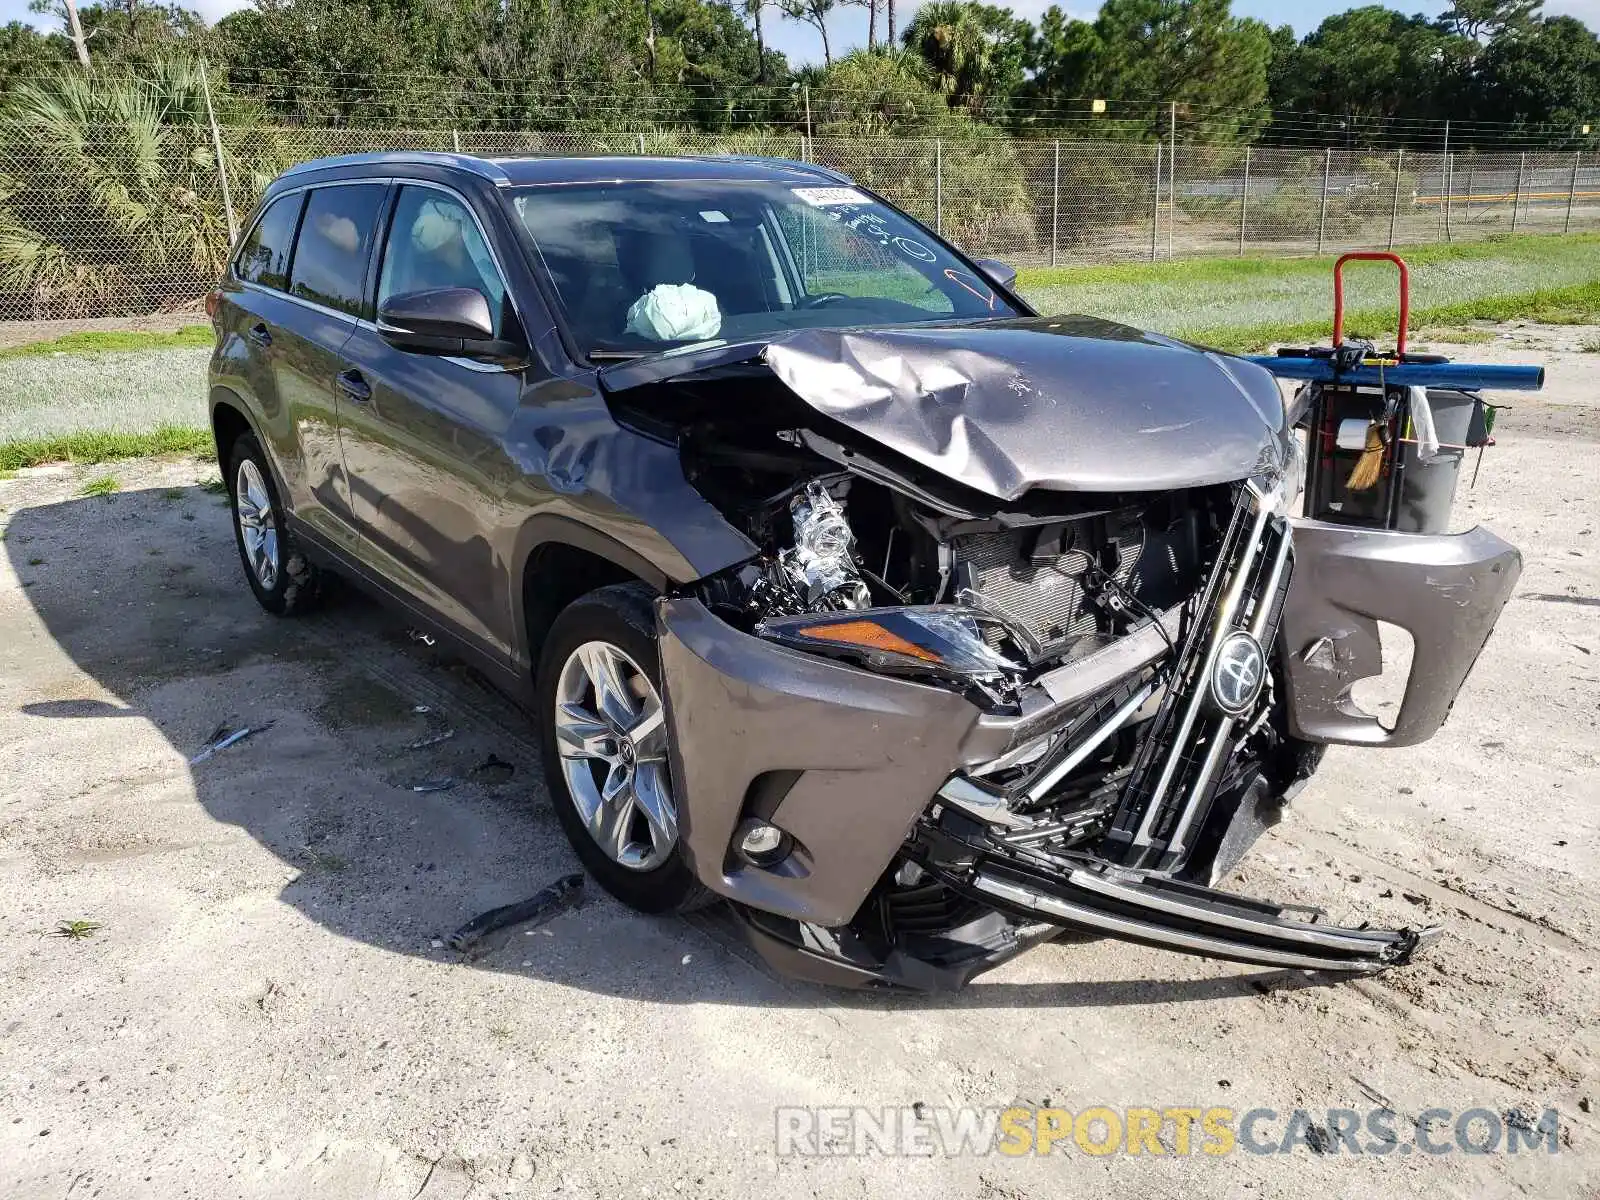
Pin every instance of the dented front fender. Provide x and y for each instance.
(1446, 590)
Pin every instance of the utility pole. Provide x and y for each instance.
(75, 32)
(216, 146)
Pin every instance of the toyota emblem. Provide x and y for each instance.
(1239, 673)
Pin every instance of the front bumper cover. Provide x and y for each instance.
(1446, 590)
(857, 757)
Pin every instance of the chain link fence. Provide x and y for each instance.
(122, 222)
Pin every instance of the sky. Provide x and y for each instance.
(848, 28)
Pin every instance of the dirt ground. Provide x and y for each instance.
(267, 1008)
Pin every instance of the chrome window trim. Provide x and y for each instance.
(233, 259)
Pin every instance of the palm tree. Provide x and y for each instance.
(813, 13)
(111, 199)
(752, 9)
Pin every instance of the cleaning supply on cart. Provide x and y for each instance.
(1422, 427)
(1369, 467)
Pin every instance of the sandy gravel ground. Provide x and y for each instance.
(267, 1011)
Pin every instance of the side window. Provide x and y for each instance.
(435, 243)
(330, 260)
(264, 255)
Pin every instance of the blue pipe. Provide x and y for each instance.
(1467, 377)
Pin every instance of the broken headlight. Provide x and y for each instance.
(938, 639)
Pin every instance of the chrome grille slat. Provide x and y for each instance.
(1173, 781)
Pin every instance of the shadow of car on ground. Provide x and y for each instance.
(141, 593)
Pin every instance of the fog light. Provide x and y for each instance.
(760, 842)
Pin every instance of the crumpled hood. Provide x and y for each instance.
(1059, 403)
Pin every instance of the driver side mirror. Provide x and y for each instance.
(998, 272)
(447, 321)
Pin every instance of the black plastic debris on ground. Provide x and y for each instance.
(493, 770)
(536, 909)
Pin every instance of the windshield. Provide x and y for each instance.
(643, 267)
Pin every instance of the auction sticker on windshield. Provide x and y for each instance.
(829, 197)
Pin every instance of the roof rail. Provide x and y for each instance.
(412, 158)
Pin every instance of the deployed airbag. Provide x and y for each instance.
(675, 312)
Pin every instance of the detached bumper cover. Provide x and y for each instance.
(1446, 590)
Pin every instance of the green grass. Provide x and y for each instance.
(94, 342)
(1249, 303)
(104, 446)
(76, 931)
(100, 485)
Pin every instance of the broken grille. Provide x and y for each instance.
(1187, 745)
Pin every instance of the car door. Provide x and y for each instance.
(422, 433)
(327, 283)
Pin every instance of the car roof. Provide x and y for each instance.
(511, 172)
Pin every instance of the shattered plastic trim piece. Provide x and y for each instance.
(433, 785)
(222, 739)
(540, 907)
(424, 743)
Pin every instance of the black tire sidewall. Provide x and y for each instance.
(294, 587)
(621, 615)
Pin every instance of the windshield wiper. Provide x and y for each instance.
(615, 355)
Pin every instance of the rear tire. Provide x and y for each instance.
(605, 749)
(285, 582)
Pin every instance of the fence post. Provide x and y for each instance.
(1055, 206)
(938, 185)
(1447, 176)
(1516, 201)
(1322, 221)
(1244, 200)
(455, 139)
(641, 143)
(1572, 190)
(1172, 187)
(1155, 208)
(1394, 212)
(216, 146)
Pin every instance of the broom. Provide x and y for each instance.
(1369, 467)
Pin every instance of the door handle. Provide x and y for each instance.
(354, 386)
(259, 334)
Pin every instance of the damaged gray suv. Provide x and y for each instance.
(842, 585)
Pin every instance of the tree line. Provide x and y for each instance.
(1501, 70)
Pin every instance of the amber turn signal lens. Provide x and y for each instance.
(869, 635)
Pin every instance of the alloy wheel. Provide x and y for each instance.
(611, 735)
(258, 525)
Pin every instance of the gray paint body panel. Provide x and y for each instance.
(872, 751)
(1446, 590)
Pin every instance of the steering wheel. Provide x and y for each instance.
(822, 298)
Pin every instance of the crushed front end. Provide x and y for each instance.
(930, 726)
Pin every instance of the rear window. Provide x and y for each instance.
(264, 256)
(330, 260)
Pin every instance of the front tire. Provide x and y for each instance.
(603, 727)
(284, 581)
